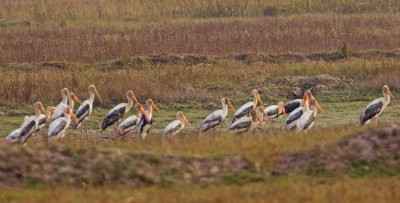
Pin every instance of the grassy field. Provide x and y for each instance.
(188, 54)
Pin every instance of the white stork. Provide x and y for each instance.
(307, 120)
(146, 120)
(59, 112)
(86, 108)
(128, 125)
(214, 119)
(59, 126)
(28, 127)
(176, 126)
(248, 123)
(118, 112)
(296, 103)
(246, 108)
(376, 107)
(273, 112)
(294, 116)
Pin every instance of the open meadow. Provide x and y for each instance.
(186, 55)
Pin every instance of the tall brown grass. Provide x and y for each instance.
(210, 37)
(169, 83)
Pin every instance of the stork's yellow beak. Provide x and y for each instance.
(259, 100)
(154, 106)
(185, 119)
(43, 110)
(319, 108)
(134, 98)
(75, 98)
(230, 105)
(97, 95)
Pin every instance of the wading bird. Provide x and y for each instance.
(59, 112)
(307, 120)
(376, 107)
(273, 112)
(146, 120)
(129, 124)
(43, 118)
(296, 103)
(215, 118)
(294, 116)
(59, 126)
(117, 113)
(86, 108)
(246, 108)
(176, 126)
(248, 123)
(64, 102)
(28, 127)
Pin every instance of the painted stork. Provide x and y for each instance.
(117, 113)
(59, 126)
(86, 108)
(176, 126)
(294, 104)
(376, 107)
(71, 99)
(146, 120)
(128, 125)
(273, 112)
(307, 120)
(62, 104)
(293, 117)
(43, 118)
(248, 123)
(28, 127)
(214, 119)
(246, 108)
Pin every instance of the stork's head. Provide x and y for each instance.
(129, 94)
(182, 117)
(255, 94)
(281, 107)
(75, 98)
(386, 91)
(151, 102)
(226, 101)
(93, 89)
(70, 112)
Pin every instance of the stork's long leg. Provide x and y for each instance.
(86, 128)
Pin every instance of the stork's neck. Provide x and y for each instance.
(71, 103)
(64, 99)
(37, 114)
(255, 101)
(182, 121)
(130, 104)
(386, 96)
(314, 109)
(91, 96)
(149, 112)
(306, 106)
(224, 110)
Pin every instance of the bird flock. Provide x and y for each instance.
(299, 114)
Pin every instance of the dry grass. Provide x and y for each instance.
(93, 43)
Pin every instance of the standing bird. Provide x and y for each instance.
(296, 103)
(146, 120)
(59, 112)
(307, 120)
(43, 118)
(215, 118)
(247, 123)
(176, 126)
(64, 102)
(376, 107)
(86, 108)
(128, 125)
(294, 116)
(246, 108)
(28, 127)
(117, 113)
(59, 126)
(273, 112)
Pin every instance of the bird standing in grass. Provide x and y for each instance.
(117, 113)
(273, 112)
(246, 108)
(146, 119)
(215, 118)
(248, 123)
(28, 127)
(176, 126)
(307, 119)
(59, 112)
(376, 107)
(129, 124)
(86, 108)
(59, 126)
(60, 107)
(296, 103)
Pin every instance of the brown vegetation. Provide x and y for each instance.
(209, 37)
